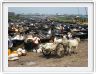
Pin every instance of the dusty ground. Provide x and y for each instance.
(38, 60)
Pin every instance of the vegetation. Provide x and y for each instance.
(69, 19)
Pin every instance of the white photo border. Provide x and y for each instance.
(48, 0)
(51, 73)
(0, 37)
(90, 67)
(94, 59)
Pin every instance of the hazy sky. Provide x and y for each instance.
(49, 10)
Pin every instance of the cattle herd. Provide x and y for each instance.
(46, 37)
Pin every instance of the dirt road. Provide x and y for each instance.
(38, 60)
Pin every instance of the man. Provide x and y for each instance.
(31, 42)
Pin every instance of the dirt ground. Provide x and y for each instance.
(38, 60)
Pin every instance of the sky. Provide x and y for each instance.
(49, 10)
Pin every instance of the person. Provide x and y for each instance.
(62, 29)
(69, 35)
(31, 42)
(10, 43)
(36, 40)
